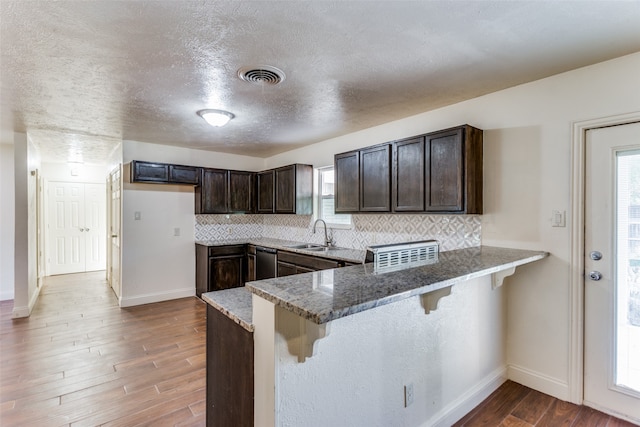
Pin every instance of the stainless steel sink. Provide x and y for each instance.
(308, 246)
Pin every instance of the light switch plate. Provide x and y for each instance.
(558, 218)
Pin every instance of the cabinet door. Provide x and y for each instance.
(211, 195)
(285, 193)
(251, 268)
(347, 184)
(408, 175)
(240, 194)
(285, 269)
(375, 179)
(184, 174)
(149, 172)
(445, 176)
(265, 191)
(226, 272)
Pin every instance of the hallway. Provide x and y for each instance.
(80, 360)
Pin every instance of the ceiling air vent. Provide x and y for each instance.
(263, 74)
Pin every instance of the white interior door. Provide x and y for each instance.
(612, 267)
(77, 227)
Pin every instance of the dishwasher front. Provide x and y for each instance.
(266, 263)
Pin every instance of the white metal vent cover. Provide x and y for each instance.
(402, 255)
(262, 74)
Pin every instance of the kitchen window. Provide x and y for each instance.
(326, 200)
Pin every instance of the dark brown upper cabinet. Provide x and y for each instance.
(453, 160)
(163, 173)
(212, 193)
(408, 193)
(439, 172)
(224, 191)
(375, 179)
(286, 190)
(265, 193)
(347, 176)
(294, 189)
(241, 192)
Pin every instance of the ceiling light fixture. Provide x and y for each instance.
(217, 118)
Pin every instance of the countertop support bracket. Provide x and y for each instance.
(498, 278)
(301, 334)
(430, 300)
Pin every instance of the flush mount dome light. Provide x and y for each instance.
(217, 118)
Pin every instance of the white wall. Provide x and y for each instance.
(26, 160)
(453, 356)
(65, 172)
(156, 264)
(7, 221)
(527, 159)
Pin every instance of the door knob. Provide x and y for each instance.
(82, 229)
(595, 275)
(86, 229)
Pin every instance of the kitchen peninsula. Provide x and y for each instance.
(342, 346)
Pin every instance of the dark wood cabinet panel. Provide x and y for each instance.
(184, 174)
(375, 179)
(266, 191)
(285, 195)
(219, 267)
(408, 175)
(230, 374)
(347, 182)
(453, 160)
(149, 172)
(163, 173)
(312, 263)
(286, 269)
(240, 192)
(251, 268)
(294, 189)
(211, 195)
(439, 172)
(226, 272)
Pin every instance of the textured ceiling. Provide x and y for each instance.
(103, 71)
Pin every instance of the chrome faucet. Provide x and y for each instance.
(328, 240)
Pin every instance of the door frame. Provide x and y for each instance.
(577, 251)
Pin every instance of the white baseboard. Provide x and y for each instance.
(469, 400)
(157, 297)
(540, 382)
(25, 311)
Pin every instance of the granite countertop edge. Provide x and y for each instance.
(235, 303)
(326, 315)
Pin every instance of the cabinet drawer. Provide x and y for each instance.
(314, 263)
(226, 250)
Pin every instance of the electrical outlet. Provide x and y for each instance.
(408, 394)
(176, 231)
(137, 216)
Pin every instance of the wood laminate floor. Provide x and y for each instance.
(80, 360)
(514, 405)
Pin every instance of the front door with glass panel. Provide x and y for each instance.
(612, 271)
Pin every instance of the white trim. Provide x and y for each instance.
(538, 381)
(25, 311)
(158, 297)
(610, 412)
(461, 406)
(576, 280)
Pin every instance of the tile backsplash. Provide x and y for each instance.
(452, 231)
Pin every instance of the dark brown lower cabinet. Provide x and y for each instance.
(290, 263)
(229, 372)
(219, 267)
(251, 263)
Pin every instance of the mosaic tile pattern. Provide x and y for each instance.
(452, 231)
